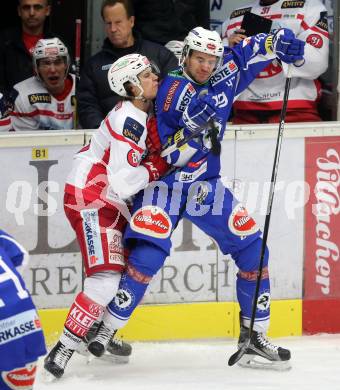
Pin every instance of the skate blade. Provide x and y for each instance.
(115, 359)
(47, 377)
(257, 362)
(108, 357)
(87, 355)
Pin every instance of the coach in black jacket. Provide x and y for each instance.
(94, 96)
(16, 43)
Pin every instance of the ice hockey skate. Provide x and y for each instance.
(261, 353)
(57, 359)
(117, 351)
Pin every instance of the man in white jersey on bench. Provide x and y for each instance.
(45, 101)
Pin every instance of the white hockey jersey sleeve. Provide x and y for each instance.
(127, 148)
(314, 32)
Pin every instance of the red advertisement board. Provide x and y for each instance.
(321, 300)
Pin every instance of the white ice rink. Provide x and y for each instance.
(203, 365)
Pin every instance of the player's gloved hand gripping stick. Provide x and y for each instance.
(197, 118)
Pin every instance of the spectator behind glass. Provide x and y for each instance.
(95, 98)
(46, 101)
(167, 20)
(261, 102)
(16, 44)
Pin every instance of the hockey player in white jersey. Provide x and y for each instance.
(261, 101)
(105, 174)
(21, 337)
(46, 101)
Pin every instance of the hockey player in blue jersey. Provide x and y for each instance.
(194, 103)
(21, 337)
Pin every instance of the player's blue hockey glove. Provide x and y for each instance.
(198, 113)
(288, 48)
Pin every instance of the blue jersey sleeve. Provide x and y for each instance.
(252, 55)
(16, 252)
(22, 340)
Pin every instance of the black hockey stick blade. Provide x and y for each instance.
(235, 357)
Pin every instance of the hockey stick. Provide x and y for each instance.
(77, 66)
(180, 143)
(239, 353)
(212, 131)
(77, 47)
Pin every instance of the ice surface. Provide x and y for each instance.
(202, 365)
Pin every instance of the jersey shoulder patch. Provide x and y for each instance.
(293, 4)
(323, 21)
(132, 129)
(39, 98)
(239, 12)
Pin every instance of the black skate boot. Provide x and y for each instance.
(56, 361)
(117, 351)
(261, 353)
(97, 346)
(91, 334)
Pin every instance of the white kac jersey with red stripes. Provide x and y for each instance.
(36, 109)
(108, 168)
(308, 20)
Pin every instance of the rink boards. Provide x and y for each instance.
(194, 294)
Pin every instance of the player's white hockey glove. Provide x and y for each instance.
(288, 48)
(198, 113)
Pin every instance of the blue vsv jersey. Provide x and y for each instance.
(21, 336)
(240, 67)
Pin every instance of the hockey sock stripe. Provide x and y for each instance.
(252, 275)
(137, 276)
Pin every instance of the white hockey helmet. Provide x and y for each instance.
(205, 41)
(126, 69)
(176, 47)
(46, 48)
